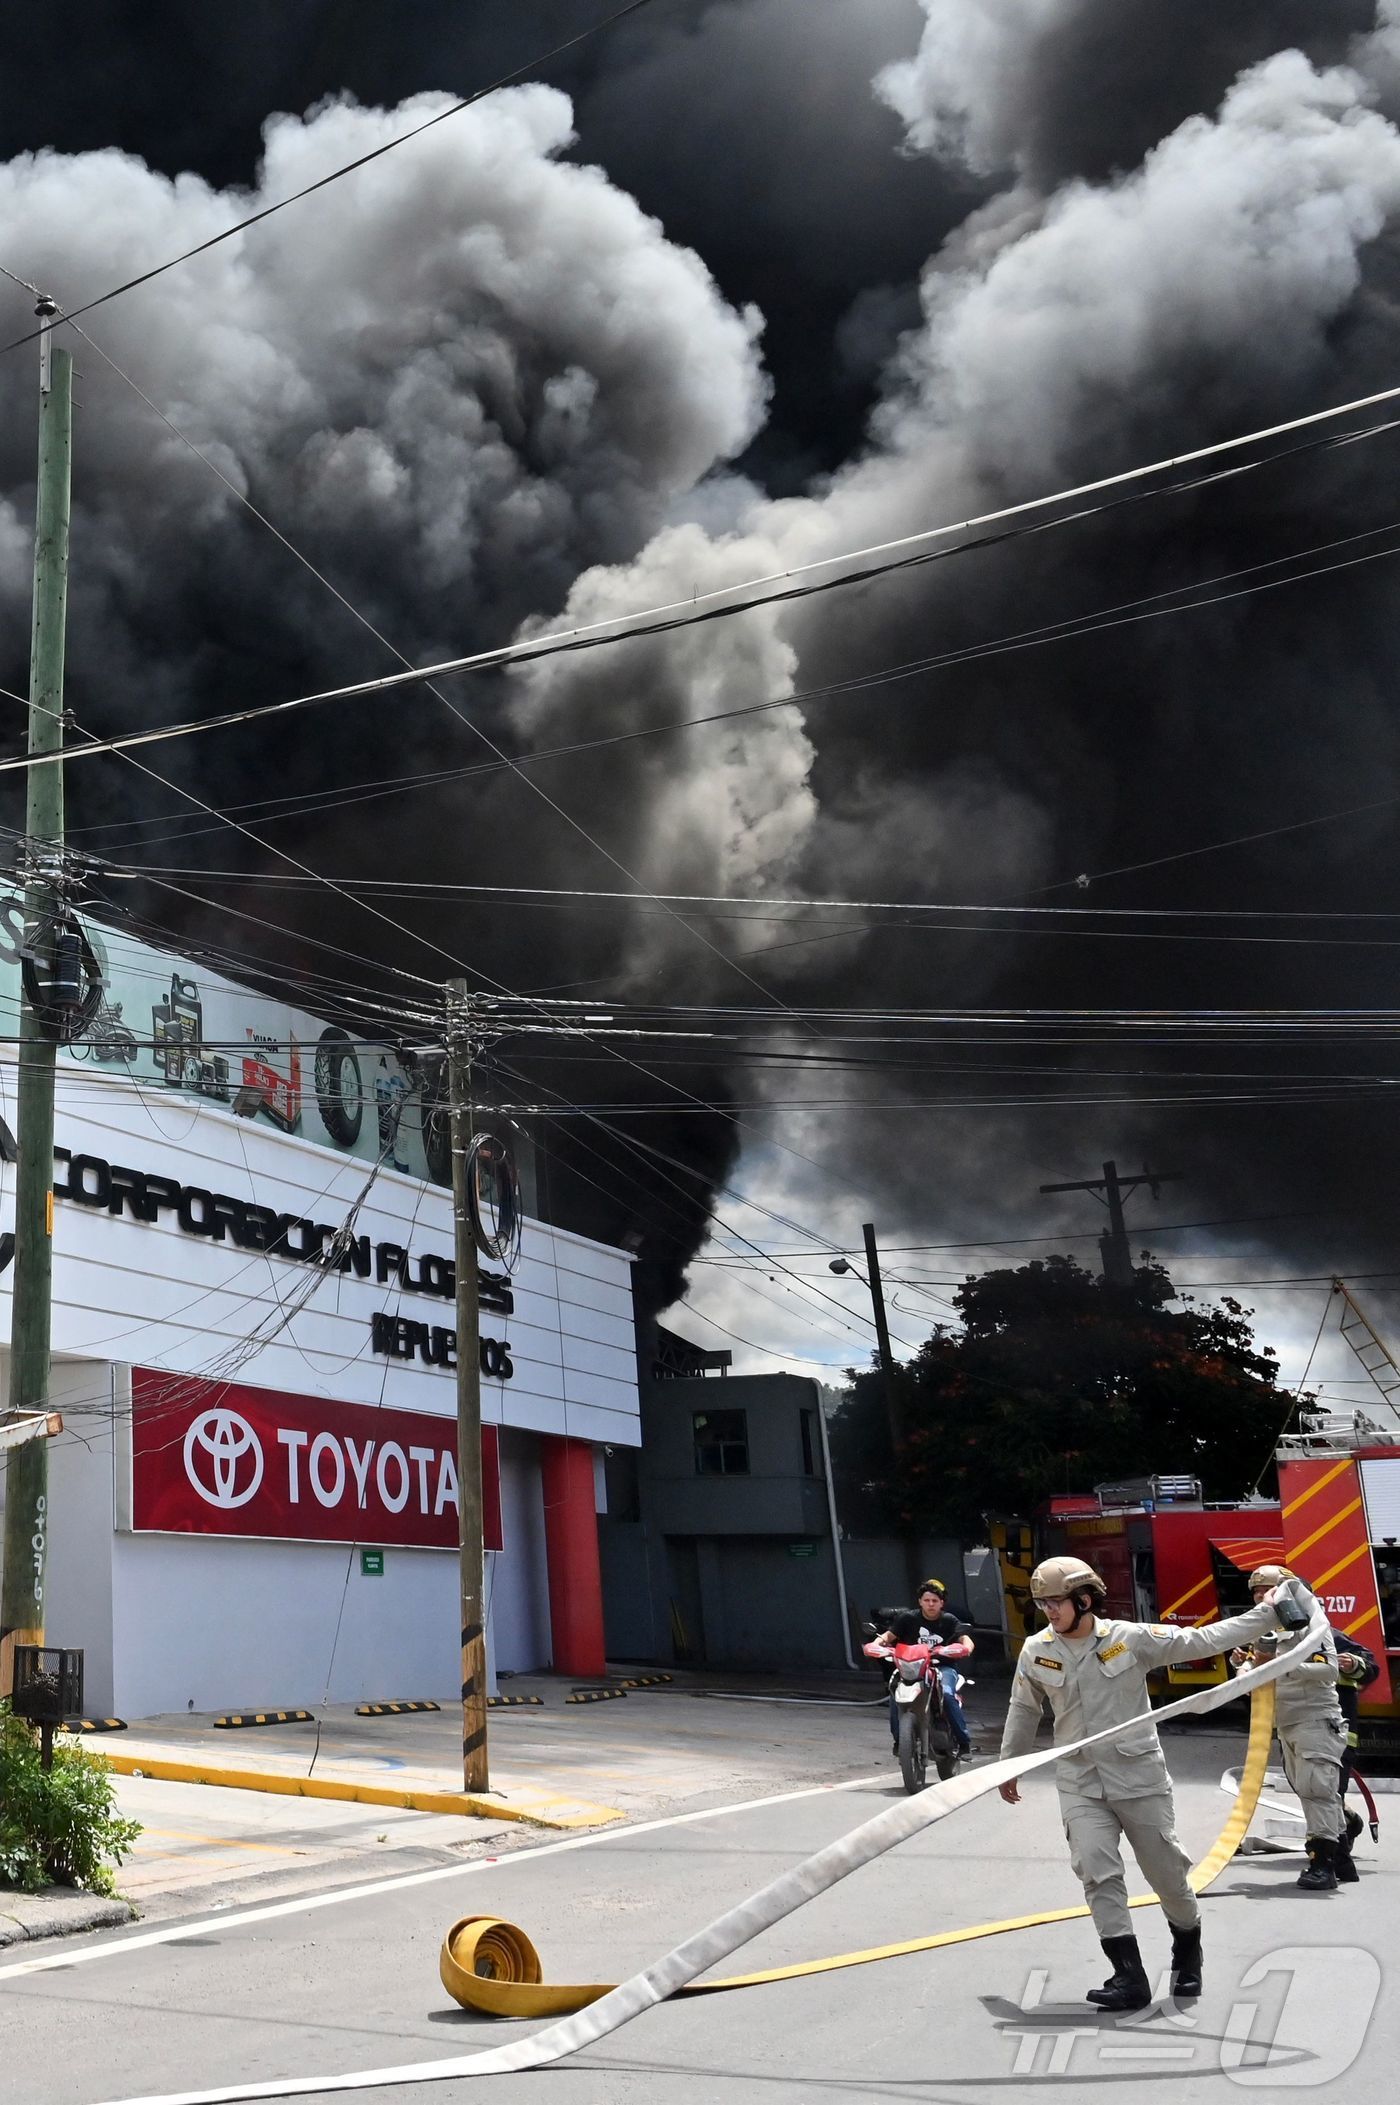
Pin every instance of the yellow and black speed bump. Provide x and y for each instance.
(265, 1717)
(510, 1702)
(391, 1710)
(646, 1681)
(94, 1725)
(594, 1695)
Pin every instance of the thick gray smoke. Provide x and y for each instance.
(774, 281)
(480, 371)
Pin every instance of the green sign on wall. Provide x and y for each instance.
(802, 1549)
(371, 1564)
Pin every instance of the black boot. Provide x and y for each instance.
(1321, 1874)
(1355, 1823)
(1186, 1963)
(1347, 1873)
(1128, 1987)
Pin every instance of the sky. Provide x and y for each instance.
(731, 287)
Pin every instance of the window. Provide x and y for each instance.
(809, 1459)
(721, 1443)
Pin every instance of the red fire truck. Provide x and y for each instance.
(1169, 1557)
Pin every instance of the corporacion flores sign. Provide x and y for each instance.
(217, 1458)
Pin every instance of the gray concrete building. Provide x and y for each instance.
(717, 1544)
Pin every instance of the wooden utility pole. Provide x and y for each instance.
(476, 1773)
(1116, 1256)
(27, 1467)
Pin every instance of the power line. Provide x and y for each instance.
(665, 619)
(1067, 630)
(508, 893)
(322, 182)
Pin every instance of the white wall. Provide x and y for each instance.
(226, 1624)
(232, 1625)
(152, 1295)
(78, 1581)
(236, 1625)
(166, 1620)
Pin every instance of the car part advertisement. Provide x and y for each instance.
(185, 1029)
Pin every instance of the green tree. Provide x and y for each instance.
(1059, 1380)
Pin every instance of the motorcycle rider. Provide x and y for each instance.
(1312, 1736)
(952, 1639)
(1093, 1670)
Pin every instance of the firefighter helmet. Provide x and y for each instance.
(1269, 1575)
(1058, 1577)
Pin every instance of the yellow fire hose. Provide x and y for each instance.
(490, 1966)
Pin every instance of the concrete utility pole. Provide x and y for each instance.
(1117, 1258)
(476, 1773)
(27, 1467)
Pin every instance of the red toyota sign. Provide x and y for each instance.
(214, 1458)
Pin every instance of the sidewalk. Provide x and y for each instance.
(556, 1763)
(698, 1741)
(58, 1911)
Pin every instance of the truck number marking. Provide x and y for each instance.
(1339, 1603)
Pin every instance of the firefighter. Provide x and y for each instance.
(1312, 1735)
(1094, 1672)
(1357, 1668)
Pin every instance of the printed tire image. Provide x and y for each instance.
(340, 1087)
(913, 1751)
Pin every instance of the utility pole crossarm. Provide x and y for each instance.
(1113, 1189)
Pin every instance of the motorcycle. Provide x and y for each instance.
(921, 1715)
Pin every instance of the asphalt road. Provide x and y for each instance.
(1295, 1983)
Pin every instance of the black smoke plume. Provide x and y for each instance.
(738, 287)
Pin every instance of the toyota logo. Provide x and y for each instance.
(223, 1459)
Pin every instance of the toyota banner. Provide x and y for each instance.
(215, 1458)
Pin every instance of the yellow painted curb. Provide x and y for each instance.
(543, 1812)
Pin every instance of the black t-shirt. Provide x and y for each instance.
(910, 1628)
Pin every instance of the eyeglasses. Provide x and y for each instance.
(1047, 1601)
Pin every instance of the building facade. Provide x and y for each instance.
(718, 1545)
(253, 1501)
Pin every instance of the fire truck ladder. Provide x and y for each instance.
(1373, 1353)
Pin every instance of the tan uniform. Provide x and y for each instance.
(1122, 1786)
(1312, 1734)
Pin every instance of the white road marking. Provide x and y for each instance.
(339, 1896)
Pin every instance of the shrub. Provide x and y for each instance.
(61, 1827)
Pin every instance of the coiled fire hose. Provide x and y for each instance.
(491, 1966)
(598, 2009)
